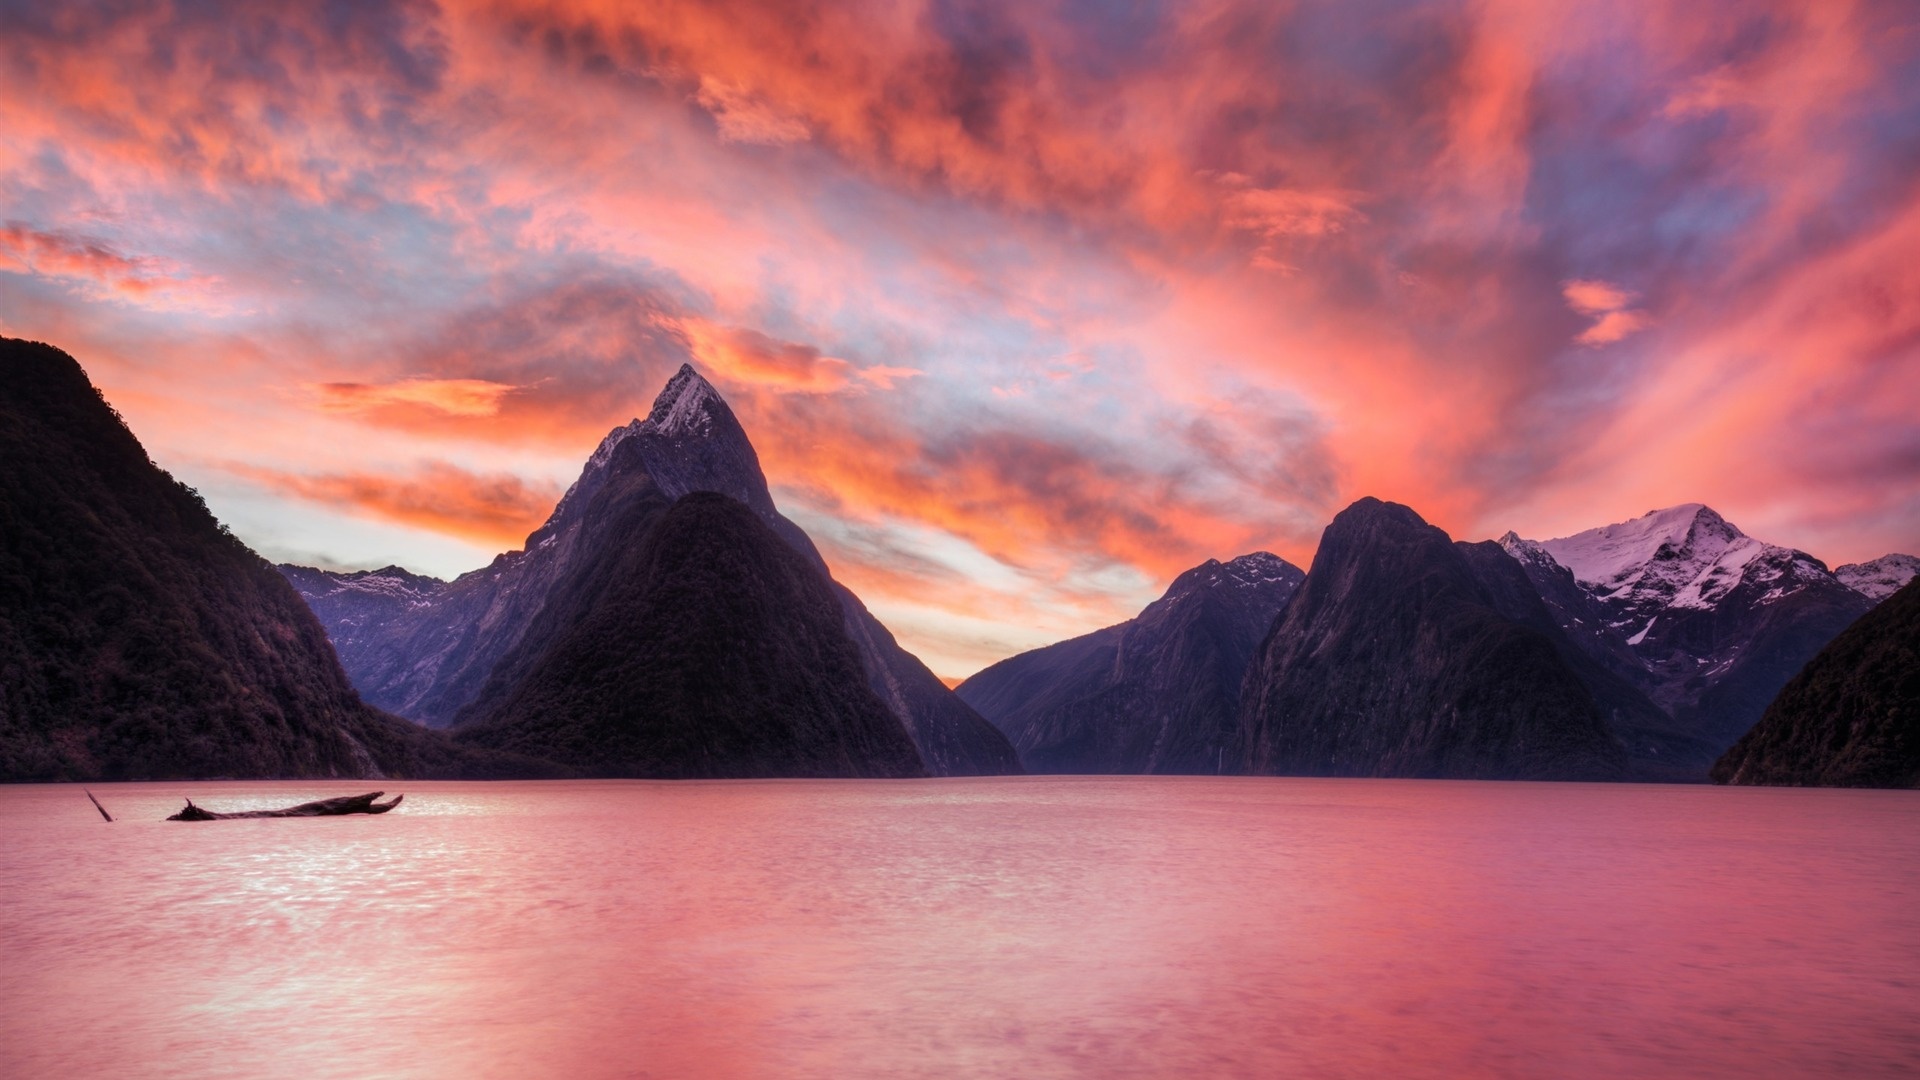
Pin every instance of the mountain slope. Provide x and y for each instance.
(690, 442)
(1851, 717)
(359, 608)
(1718, 621)
(1658, 748)
(1878, 578)
(140, 639)
(1394, 660)
(1156, 694)
(696, 644)
(433, 660)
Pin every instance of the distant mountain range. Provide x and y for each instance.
(668, 621)
(434, 651)
(1677, 629)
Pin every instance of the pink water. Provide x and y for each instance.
(983, 928)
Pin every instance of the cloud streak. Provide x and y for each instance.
(493, 508)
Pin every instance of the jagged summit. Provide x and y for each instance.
(689, 441)
(1684, 557)
(1611, 557)
(1716, 620)
(1878, 578)
(684, 406)
(1520, 547)
(430, 661)
(1245, 572)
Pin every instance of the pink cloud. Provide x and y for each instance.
(454, 397)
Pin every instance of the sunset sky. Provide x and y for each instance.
(1026, 306)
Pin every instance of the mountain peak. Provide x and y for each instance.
(1613, 556)
(1879, 578)
(1253, 570)
(692, 443)
(1369, 516)
(684, 406)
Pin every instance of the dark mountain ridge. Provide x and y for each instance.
(1395, 659)
(1658, 748)
(434, 658)
(139, 639)
(1156, 694)
(696, 643)
(1850, 717)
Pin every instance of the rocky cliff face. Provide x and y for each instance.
(1156, 694)
(1716, 621)
(140, 639)
(688, 641)
(431, 661)
(1395, 659)
(1851, 717)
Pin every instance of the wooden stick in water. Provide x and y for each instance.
(97, 806)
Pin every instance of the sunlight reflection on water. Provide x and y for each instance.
(1017, 927)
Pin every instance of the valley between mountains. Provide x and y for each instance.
(668, 621)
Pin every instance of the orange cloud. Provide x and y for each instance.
(1608, 305)
(497, 508)
(744, 356)
(1611, 327)
(454, 397)
(743, 118)
(748, 356)
(1594, 297)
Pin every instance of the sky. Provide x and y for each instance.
(1027, 306)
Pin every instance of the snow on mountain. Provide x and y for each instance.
(1249, 571)
(1715, 620)
(1880, 578)
(684, 411)
(388, 582)
(1685, 557)
(688, 402)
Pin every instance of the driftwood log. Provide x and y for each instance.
(345, 804)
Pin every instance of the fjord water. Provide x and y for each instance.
(1033, 927)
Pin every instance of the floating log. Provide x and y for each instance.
(345, 804)
(97, 806)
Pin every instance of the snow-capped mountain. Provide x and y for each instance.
(432, 660)
(357, 607)
(1684, 558)
(1879, 578)
(1716, 621)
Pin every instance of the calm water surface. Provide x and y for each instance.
(1013, 927)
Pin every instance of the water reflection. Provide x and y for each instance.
(1031, 927)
